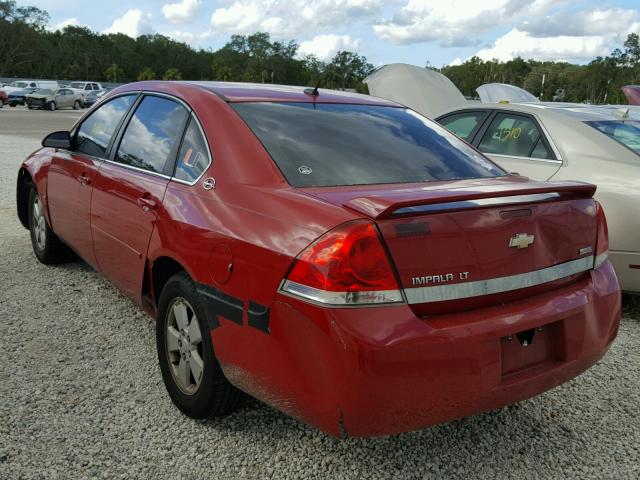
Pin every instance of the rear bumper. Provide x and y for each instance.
(378, 371)
(628, 276)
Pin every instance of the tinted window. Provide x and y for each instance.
(514, 135)
(627, 133)
(193, 158)
(463, 124)
(152, 135)
(95, 133)
(338, 144)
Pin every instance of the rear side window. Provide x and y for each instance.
(153, 134)
(340, 144)
(626, 133)
(463, 124)
(514, 136)
(193, 158)
(95, 133)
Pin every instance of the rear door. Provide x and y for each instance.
(517, 143)
(130, 187)
(72, 173)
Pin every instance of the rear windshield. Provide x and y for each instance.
(627, 133)
(338, 144)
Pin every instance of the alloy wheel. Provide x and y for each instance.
(39, 224)
(183, 342)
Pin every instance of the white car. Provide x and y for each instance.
(543, 141)
(25, 84)
(84, 88)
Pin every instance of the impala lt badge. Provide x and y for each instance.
(521, 240)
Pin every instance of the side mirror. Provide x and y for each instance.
(57, 140)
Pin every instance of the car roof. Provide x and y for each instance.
(577, 111)
(257, 92)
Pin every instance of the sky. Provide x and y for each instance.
(438, 32)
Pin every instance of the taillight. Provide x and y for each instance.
(602, 239)
(346, 266)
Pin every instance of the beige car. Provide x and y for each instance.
(54, 99)
(543, 141)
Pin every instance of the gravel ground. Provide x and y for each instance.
(81, 394)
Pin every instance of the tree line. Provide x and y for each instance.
(599, 81)
(29, 50)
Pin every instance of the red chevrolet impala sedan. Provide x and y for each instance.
(337, 256)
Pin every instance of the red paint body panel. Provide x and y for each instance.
(375, 370)
(632, 92)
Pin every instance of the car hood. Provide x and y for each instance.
(421, 89)
(501, 92)
(35, 95)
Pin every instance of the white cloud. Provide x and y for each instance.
(577, 48)
(186, 37)
(456, 61)
(456, 22)
(326, 46)
(569, 36)
(73, 21)
(183, 11)
(133, 23)
(291, 18)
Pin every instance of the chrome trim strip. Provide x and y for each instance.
(600, 259)
(529, 159)
(440, 293)
(142, 170)
(346, 299)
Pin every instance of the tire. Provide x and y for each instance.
(176, 343)
(76, 105)
(12, 105)
(52, 106)
(46, 245)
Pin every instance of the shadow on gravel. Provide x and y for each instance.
(631, 306)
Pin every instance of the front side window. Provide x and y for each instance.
(514, 136)
(463, 124)
(342, 144)
(95, 133)
(153, 134)
(193, 158)
(627, 133)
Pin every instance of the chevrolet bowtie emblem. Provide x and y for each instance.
(521, 240)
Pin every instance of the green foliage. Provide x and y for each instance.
(114, 73)
(146, 74)
(599, 81)
(172, 74)
(29, 50)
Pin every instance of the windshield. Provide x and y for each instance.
(627, 133)
(339, 144)
(18, 84)
(77, 85)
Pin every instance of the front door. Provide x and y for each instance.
(129, 189)
(72, 175)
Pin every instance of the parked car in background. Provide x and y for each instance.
(28, 84)
(18, 97)
(543, 141)
(92, 97)
(54, 99)
(4, 98)
(632, 92)
(335, 255)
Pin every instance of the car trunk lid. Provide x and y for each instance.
(464, 244)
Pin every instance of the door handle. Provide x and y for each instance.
(147, 204)
(84, 180)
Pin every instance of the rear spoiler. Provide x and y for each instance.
(384, 206)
